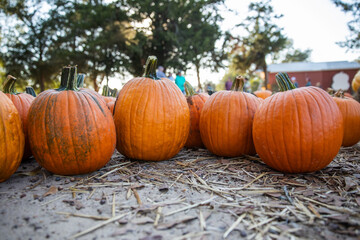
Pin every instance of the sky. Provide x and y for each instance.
(311, 24)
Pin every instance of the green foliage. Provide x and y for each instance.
(352, 7)
(263, 38)
(297, 56)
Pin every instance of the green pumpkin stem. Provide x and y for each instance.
(189, 90)
(150, 68)
(80, 80)
(31, 91)
(113, 92)
(9, 85)
(284, 82)
(238, 84)
(106, 91)
(69, 74)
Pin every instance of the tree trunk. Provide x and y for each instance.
(266, 76)
(198, 75)
(42, 81)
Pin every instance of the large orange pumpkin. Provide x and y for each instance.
(22, 102)
(196, 103)
(350, 110)
(70, 130)
(12, 138)
(263, 93)
(298, 129)
(226, 121)
(151, 116)
(356, 81)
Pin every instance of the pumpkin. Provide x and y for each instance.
(70, 130)
(226, 121)
(151, 116)
(356, 81)
(22, 102)
(263, 93)
(196, 103)
(12, 139)
(350, 110)
(297, 130)
(109, 99)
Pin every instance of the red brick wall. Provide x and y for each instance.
(323, 77)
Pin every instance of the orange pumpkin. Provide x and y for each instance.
(226, 121)
(22, 102)
(196, 103)
(350, 110)
(298, 129)
(12, 140)
(109, 99)
(70, 130)
(80, 86)
(151, 116)
(263, 93)
(356, 81)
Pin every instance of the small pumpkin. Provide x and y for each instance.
(356, 81)
(109, 97)
(226, 121)
(151, 116)
(70, 130)
(350, 110)
(12, 139)
(297, 130)
(22, 102)
(263, 93)
(196, 103)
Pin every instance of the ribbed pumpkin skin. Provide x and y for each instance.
(298, 131)
(12, 138)
(226, 123)
(22, 103)
(350, 110)
(152, 119)
(110, 102)
(196, 104)
(263, 94)
(71, 132)
(356, 81)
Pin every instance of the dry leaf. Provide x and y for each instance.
(52, 190)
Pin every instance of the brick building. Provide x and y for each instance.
(323, 74)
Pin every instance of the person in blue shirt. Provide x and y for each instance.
(160, 72)
(180, 81)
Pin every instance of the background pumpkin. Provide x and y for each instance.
(22, 102)
(263, 94)
(70, 130)
(356, 82)
(298, 129)
(196, 103)
(12, 140)
(226, 121)
(350, 110)
(151, 116)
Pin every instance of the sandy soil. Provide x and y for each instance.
(195, 195)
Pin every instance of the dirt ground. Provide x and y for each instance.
(195, 195)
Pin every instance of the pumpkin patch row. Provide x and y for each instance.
(73, 130)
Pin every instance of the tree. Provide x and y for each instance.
(353, 7)
(263, 39)
(297, 55)
(180, 33)
(26, 46)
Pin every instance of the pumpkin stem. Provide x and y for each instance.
(238, 84)
(284, 82)
(106, 91)
(9, 85)
(69, 76)
(330, 91)
(150, 68)
(30, 90)
(80, 80)
(339, 94)
(189, 90)
(113, 92)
